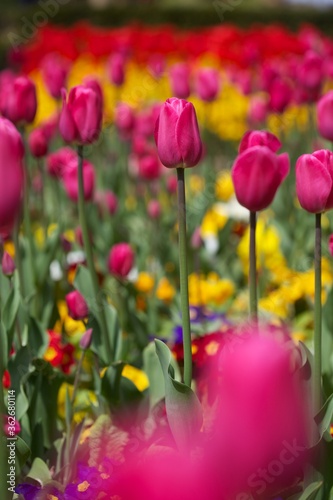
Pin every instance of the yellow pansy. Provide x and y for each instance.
(83, 400)
(138, 377)
(212, 222)
(165, 291)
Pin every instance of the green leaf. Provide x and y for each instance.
(22, 451)
(40, 471)
(325, 418)
(183, 408)
(45, 257)
(37, 337)
(10, 310)
(310, 492)
(3, 348)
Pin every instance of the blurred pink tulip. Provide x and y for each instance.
(259, 138)
(314, 181)
(310, 73)
(171, 184)
(257, 174)
(156, 64)
(7, 264)
(77, 306)
(55, 70)
(116, 69)
(325, 116)
(94, 84)
(107, 200)
(179, 75)
(86, 339)
(120, 260)
(70, 180)
(258, 110)
(59, 160)
(38, 143)
(11, 175)
(330, 244)
(177, 134)
(154, 209)
(81, 115)
(207, 84)
(18, 101)
(124, 119)
(280, 95)
(149, 167)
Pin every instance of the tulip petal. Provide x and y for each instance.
(165, 137)
(259, 138)
(188, 136)
(66, 123)
(284, 166)
(313, 183)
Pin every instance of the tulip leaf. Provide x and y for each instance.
(40, 471)
(4, 348)
(10, 310)
(324, 419)
(182, 405)
(311, 491)
(22, 451)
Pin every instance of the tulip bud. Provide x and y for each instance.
(314, 181)
(38, 143)
(180, 80)
(330, 244)
(310, 73)
(77, 306)
(259, 138)
(154, 209)
(156, 64)
(116, 69)
(257, 173)
(81, 115)
(71, 184)
(120, 261)
(94, 84)
(86, 339)
(11, 173)
(124, 119)
(107, 200)
(149, 167)
(172, 184)
(258, 110)
(9, 424)
(6, 379)
(177, 134)
(58, 161)
(325, 116)
(55, 70)
(7, 264)
(207, 84)
(280, 96)
(18, 101)
(196, 240)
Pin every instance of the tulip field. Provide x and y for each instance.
(166, 280)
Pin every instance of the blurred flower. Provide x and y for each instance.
(258, 110)
(154, 209)
(330, 244)
(18, 100)
(120, 260)
(165, 291)
(211, 290)
(7, 264)
(116, 69)
(144, 282)
(280, 94)
(59, 160)
(71, 183)
(324, 116)
(86, 339)
(55, 70)
(77, 306)
(179, 75)
(207, 84)
(259, 138)
(149, 167)
(38, 142)
(107, 200)
(138, 377)
(224, 188)
(6, 379)
(124, 119)
(58, 354)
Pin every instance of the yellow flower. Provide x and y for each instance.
(212, 222)
(196, 183)
(209, 291)
(144, 283)
(138, 377)
(9, 247)
(83, 401)
(66, 323)
(224, 187)
(165, 291)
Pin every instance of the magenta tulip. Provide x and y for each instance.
(207, 84)
(55, 70)
(325, 116)
(149, 167)
(259, 138)
(77, 306)
(314, 181)
(81, 115)
(257, 173)
(18, 101)
(38, 143)
(156, 64)
(154, 209)
(70, 180)
(179, 76)
(86, 339)
(258, 110)
(107, 200)
(120, 261)
(59, 160)
(177, 134)
(124, 119)
(116, 69)
(94, 84)
(11, 175)
(7, 264)
(280, 95)
(311, 71)
(330, 244)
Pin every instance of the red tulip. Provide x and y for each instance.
(120, 261)
(70, 180)
(259, 138)
(310, 74)
(18, 101)
(116, 69)
(38, 143)
(314, 181)
(59, 160)
(257, 173)
(177, 134)
(81, 116)
(6, 379)
(55, 70)
(11, 175)
(207, 84)
(325, 116)
(180, 80)
(77, 306)
(330, 244)
(7, 264)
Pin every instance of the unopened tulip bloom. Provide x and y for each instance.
(107, 200)
(257, 173)
(7, 264)
(177, 134)
(70, 180)
(116, 69)
(280, 96)
(94, 84)
(171, 184)
(207, 84)
(86, 339)
(18, 101)
(258, 110)
(310, 74)
(120, 261)
(59, 160)
(149, 167)
(81, 115)
(156, 64)
(325, 116)
(77, 306)
(314, 181)
(180, 80)
(259, 138)
(38, 142)
(11, 175)
(55, 70)
(154, 209)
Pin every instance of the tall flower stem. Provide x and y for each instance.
(3, 448)
(253, 268)
(317, 319)
(90, 258)
(184, 277)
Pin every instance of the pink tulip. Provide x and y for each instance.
(86, 339)
(149, 167)
(325, 116)
(94, 84)
(258, 110)
(154, 209)
(7, 264)
(156, 64)
(311, 71)
(116, 69)
(81, 116)
(70, 180)
(257, 173)
(55, 70)
(11, 175)
(77, 306)
(18, 101)
(259, 138)
(120, 260)
(38, 143)
(330, 244)
(179, 76)
(207, 84)
(107, 200)
(314, 181)
(196, 239)
(11, 426)
(124, 119)
(59, 160)
(280, 95)
(177, 134)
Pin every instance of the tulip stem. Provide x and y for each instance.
(317, 319)
(184, 277)
(3, 448)
(90, 259)
(253, 268)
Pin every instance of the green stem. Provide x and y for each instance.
(317, 319)
(3, 449)
(253, 268)
(77, 378)
(90, 260)
(18, 259)
(184, 277)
